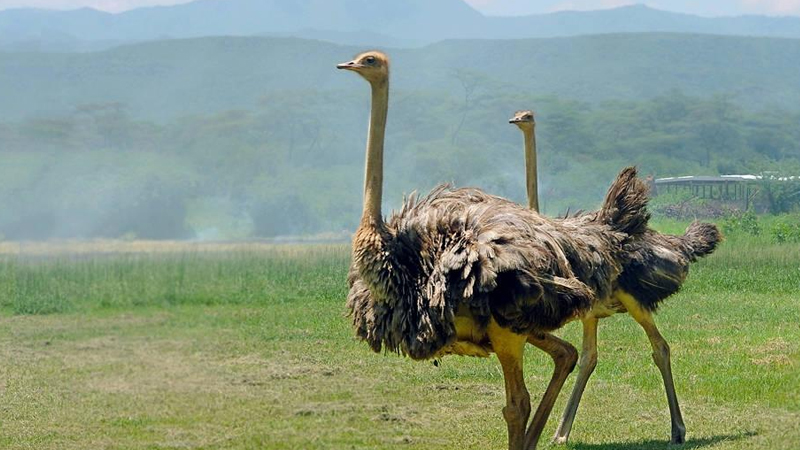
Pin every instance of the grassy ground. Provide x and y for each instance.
(248, 348)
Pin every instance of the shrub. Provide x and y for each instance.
(742, 222)
(782, 195)
(787, 229)
(677, 205)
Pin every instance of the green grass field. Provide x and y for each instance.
(248, 348)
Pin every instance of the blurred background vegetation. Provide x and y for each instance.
(229, 138)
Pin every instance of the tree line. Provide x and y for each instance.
(292, 165)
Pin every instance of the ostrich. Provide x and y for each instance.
(654, 267)
(526, 122)
(463, 272)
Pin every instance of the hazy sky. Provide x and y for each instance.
(701, 7)
(504, 7)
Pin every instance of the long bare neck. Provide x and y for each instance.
(373, 176)
(531, 168)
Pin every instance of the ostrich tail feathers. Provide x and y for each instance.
(625, 205)
(702, 239)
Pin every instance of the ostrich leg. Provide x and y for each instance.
(509, 348)
(586, 366)
(565, 357)
(662, 360)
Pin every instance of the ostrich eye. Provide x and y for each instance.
(369, 60)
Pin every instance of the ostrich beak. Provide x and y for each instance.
(352, 65)
(515, 120)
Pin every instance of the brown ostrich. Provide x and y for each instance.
(463, 272)
(654, 267)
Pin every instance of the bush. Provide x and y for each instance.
(686, 206)
(782, 195)
(741, 222)
(786, 229)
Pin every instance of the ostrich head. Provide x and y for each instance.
(523, 119)
(372, 65)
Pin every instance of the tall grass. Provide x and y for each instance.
(44, 285)
(40, 284)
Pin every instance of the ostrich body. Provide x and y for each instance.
(463, 272)
(654, 266)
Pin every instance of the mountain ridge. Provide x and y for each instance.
(171, 78)
(408, 22)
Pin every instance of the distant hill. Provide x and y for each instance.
(165, 79)
(639, 19)
(398, 22)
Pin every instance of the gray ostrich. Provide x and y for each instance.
(463, 272)
(654, 267)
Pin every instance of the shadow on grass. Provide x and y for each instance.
(660, 445)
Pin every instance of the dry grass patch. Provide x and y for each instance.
(775, 352)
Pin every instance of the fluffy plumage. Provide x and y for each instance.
(656, 265)
(461, 251)
(625, 208)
